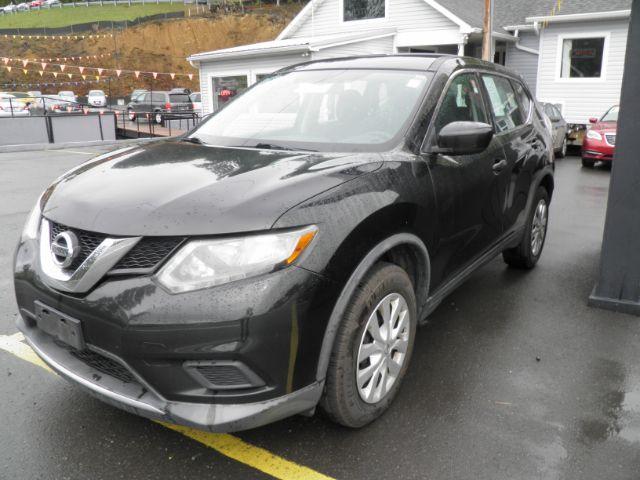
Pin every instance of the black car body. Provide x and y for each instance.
(157, 106)
(428, 205)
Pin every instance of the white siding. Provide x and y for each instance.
(525, 63)
(406, 15)
(247, 66)
(582, 98)
(378, 45)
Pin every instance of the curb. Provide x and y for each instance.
(59, 146)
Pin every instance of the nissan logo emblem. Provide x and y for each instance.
(65, 249)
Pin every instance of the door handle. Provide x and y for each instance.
(499, 165)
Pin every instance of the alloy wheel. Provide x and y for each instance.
(539, 227)
(383, 348)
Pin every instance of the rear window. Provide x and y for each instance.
(179, 98)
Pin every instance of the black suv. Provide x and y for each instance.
(281, 255)
(159, 105)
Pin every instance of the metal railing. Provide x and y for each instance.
(144, 124)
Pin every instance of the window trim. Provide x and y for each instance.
(429, 136)
(363, 21)
(579, 36)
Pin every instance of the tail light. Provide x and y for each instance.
(167, 107)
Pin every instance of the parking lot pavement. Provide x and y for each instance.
(513, 378)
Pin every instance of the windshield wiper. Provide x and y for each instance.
(195, 140)
(272, 146)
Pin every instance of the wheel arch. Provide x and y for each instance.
(404, 249)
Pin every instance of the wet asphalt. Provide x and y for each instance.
(515, 377)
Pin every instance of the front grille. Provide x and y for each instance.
(88, 241)
(223, 375)
(611, 138)
(145, 255)
(148, 253)
(104, 364)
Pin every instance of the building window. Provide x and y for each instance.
(363, 9)
(226, 88)
(582, 57)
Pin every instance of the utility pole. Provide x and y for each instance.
(618, 284)
(487, 40)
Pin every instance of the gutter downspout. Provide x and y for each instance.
(522, 48)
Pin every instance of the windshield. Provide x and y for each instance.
(327, 110)
(96, 93)
(611, 115)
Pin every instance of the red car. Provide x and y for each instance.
(36, 3)
(600, 141)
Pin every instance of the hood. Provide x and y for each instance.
(178, 188)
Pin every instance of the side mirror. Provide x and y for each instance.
(593, 120)
(464, 138)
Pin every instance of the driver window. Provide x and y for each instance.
(461, 103)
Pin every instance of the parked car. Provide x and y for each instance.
(12, 107)
(599, 143)
(22, 7)
(196, 100)
(55, 104)
(36, 3)
(97, 98)
(277, 257)
(559, 128)
(34, 93)
(10, 8)
(69, 95)
(24, 97)
(51, 3)
(160, 104)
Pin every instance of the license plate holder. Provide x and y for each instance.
(59, 325)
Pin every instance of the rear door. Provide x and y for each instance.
(468, 196)
(512, 111)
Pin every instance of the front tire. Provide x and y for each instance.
(157, 117)
(527, 253)
(372, 348)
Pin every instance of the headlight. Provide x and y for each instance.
(206, 263)
(594, 135)
(31, 226)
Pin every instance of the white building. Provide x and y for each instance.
(573, 58)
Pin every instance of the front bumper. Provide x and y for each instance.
(597, 150)
(140, 399)
(273, 324)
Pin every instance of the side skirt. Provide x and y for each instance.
(459, 278)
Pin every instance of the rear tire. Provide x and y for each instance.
(132, 116)
(587, 162)
(527, 253)
(363, 336)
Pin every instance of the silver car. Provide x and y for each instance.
(12, 107)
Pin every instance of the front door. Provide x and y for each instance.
(468, 194)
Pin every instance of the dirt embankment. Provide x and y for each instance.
(155, 47)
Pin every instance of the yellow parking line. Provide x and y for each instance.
(223, 443)
(14, 344)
